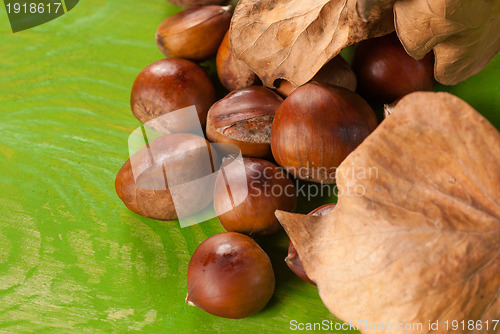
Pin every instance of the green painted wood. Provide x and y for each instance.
(72, 257)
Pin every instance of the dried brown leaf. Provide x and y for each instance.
(463, 34)
(293, 39)
(418, 240)
(366, 8)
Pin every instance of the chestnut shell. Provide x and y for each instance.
(386, 72)
(293, 260)
(195, 33)
(233, 73)
(196, 3)
(244, 118)
(230, 276)
(149, 196)
(168, 85)
(269, 189)
(316, 127)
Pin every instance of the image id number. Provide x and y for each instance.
(471, 325)
(34, 8)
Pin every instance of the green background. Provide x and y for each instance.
(72, 257)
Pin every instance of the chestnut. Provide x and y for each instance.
(230, 276)
(141, 182)
(246, 203)
(293, 260)
(336, 72)
(389, 108)
(386, 72)
(168, 85)
(316, 127)
(244, 118)
(196, 3)
(233, 73)
(195, 33)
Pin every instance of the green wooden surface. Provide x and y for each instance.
(72, 257)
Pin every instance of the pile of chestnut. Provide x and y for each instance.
(284, 134)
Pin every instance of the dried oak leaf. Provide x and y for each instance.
(418, 237)
(293, 39)
(464, 34)
(368, 7)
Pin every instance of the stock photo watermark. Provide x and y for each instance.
(189, 170)
(406, 327)
(26, 14)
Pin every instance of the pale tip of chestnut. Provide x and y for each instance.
(389, 108)
(188, 301)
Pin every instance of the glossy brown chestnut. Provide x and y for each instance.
(336, 72)
(244, 118)
(195, 33)
(233, 73)
(246, 203)
(196, 3)
(293, 260)
(168, 85)
(386, 72)
(230, 276)
(141, 183)
(316, 127)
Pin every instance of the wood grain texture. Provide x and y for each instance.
(72, 257)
